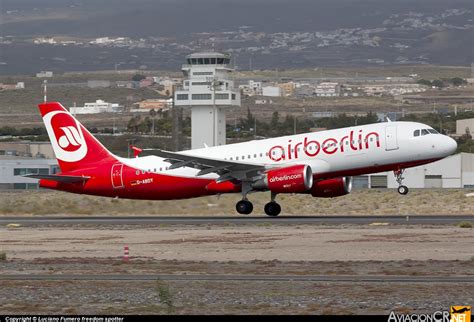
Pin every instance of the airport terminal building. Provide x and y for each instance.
(456, 171)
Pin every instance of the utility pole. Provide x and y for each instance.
(45, 85)
(176, 115)
(294, 124)
(129, 142)
(255, 127)
(214, 85)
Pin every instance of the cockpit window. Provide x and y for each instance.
(425, 132)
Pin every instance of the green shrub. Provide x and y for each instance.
(465, 224)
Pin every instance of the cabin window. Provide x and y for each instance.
(416, 133)
(230, 158)
(261, 154)
(237, 158)
(255, 155)
(137, 172)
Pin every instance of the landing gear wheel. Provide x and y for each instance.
(403, 190)
(244, 207)
(272, 209)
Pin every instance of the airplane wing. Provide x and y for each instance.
(227, 170)
(58, 178)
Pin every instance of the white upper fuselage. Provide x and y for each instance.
(365, 147)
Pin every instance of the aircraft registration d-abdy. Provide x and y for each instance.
(320, 164)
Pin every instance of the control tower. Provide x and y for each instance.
(208, 90)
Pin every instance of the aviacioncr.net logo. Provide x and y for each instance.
(66, 136)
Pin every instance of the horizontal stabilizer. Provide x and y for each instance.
(58, 178)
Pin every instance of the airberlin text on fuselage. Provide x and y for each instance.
(329, 146)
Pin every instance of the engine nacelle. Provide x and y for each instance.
(330, 188)
(293, 179)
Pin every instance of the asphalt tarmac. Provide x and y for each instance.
(235, 220)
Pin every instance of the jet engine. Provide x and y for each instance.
(332, 187)
(293, 179)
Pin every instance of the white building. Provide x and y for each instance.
(208, 90)
(99, 106)
(327, 89)
(456, 171)
(252, 88)
(463, 125)
(44, 74)
(272, 91)
(13, 167)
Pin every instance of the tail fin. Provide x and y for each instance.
(73, 145)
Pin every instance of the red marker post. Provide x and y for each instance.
(125, 253)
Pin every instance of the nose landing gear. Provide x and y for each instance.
(403, 190)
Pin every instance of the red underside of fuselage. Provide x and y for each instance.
(152, 186)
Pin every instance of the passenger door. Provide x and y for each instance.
(391, 142)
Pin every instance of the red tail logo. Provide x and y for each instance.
(73, 145)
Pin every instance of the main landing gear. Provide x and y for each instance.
(403, 190)
(272, 208)
(245, 207)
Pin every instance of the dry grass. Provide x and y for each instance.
(359, 202)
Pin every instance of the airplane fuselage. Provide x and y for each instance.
(334, 153)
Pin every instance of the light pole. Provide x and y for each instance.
(294, 124)
(214, 84)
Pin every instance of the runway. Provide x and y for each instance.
(269, 278)
(235, 220)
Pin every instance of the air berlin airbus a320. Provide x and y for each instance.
(320, 164)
